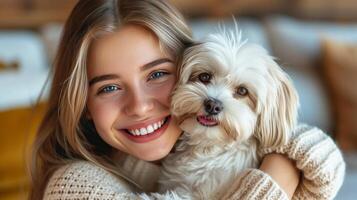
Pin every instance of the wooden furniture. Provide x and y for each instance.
(33, 13)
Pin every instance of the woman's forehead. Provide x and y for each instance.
(131, 46)
(125, 37)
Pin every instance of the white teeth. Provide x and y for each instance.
(146, 130)
(137, 132)
(143, 131)
(150, 129)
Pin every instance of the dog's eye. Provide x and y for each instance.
(204, 77)
(242, 91)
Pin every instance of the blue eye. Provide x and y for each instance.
(157, 75)
(108, 89)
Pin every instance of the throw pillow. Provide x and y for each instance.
(340, 70)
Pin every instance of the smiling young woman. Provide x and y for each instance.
(109, 113)
(113, 74)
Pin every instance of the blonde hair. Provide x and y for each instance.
(65, 134)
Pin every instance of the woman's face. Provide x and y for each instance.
(130, 81)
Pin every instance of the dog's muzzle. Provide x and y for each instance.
(213, 106)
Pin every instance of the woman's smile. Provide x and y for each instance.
(147, 131)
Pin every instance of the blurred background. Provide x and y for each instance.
(315, 41)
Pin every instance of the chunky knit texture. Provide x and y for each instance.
(316, 155)
(319, 159)
(84, 180)
(255, 184)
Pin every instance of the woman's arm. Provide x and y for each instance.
(320, 161)
(283, 171)
(276, 179)
(312, 152)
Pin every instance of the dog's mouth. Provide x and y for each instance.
(206, 120)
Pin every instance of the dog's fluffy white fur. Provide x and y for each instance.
(231, 100)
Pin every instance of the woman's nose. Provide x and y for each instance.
(139, 103)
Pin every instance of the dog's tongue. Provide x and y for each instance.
(206, 121)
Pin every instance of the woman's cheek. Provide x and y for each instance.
(163, 93)
(104, 111)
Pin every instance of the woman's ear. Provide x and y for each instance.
(279, 115)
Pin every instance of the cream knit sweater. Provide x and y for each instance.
(316, 155)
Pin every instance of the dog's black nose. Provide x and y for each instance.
(213, 106)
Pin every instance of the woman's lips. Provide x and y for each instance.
(147, 137)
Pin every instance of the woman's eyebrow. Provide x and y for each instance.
(103, 78)
(155, 62)
(114, 76)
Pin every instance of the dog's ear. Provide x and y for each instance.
(279, 115)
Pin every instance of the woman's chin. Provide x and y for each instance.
(160, 148)
(155, 153)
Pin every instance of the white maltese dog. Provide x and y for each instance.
(232, 99)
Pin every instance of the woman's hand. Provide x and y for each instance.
(283, 171)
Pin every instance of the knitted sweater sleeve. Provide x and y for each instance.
(255, 184)
(315, 154)
(320, 161)
(83, 180)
